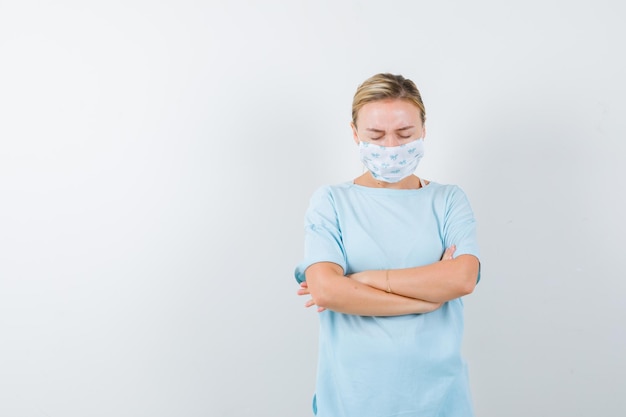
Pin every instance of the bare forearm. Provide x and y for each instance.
(333, 291)
(438, 282)
(352, 297)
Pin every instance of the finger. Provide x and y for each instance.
(309, 303)
(448, 253)
(304, 289)
(320, 309)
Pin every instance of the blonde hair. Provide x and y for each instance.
(386, 86)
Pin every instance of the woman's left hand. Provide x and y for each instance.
(304, 290)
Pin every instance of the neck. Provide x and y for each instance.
(409, 183)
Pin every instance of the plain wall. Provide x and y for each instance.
(156, 159)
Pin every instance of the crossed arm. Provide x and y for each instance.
(414, 290)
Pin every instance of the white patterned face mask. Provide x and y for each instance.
(391, 164)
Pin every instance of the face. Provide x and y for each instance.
(388, 123)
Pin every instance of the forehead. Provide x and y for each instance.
(389, 113)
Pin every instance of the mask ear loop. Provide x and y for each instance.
(363, 168)
(363, 171)
(423, 182)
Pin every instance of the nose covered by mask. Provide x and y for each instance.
(391, 164)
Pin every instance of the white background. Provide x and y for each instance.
(156, 159)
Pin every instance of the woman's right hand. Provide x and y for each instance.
(448, 254)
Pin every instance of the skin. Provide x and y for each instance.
(414, 290)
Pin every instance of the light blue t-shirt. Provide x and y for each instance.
(402, 366)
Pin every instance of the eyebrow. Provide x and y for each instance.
(371, 129)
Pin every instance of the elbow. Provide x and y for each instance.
(320, 296)
(468, 285)
(321, 280)
(464, 286)
(324, 293)
(469, 275)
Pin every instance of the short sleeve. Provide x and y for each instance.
(460, 226)
(322, 239)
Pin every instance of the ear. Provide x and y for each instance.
(355, 134)
(423, 131)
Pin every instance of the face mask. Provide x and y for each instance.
(391, 164)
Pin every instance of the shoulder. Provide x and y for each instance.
(445, 190)
(325, 199)
(329, 192)
(449, 196)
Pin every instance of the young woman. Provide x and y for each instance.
(388, 257)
